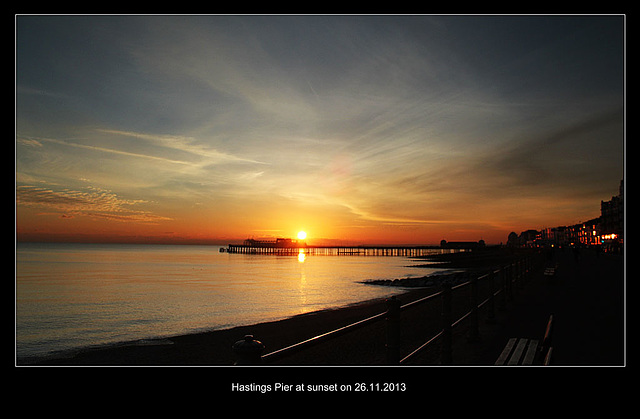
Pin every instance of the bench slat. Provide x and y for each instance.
(506, 351)
(531, 353)
(547, 358)
(517, 354)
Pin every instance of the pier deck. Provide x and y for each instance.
(409, 251)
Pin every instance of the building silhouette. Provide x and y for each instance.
(612, 215)
(605, 232)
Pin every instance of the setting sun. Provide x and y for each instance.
(302, 235)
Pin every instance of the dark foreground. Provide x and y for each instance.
(586, 297)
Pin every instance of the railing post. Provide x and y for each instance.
(503, 285)
(491, 310)
(474, 334)
(248, 351)
(393, 331)
(520, 265)
(510, 274)
(446, 356)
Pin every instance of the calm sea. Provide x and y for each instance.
(70, 296)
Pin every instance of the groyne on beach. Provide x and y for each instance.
(454, 268)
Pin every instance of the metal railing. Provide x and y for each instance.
(509, 277)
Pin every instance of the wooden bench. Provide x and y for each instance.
(525, 351)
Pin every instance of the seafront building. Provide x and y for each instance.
(605, 232)
(612, 215)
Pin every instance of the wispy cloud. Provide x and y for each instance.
(92, 202)
(40, 140)
(184, 144)
(574, 156)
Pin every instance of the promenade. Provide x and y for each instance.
(587, 299)
(586, 296)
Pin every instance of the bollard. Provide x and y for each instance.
(446, 357)
(248, 351)
(393, 331)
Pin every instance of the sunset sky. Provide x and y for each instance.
(366, 129)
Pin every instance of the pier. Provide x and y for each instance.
(293, 250)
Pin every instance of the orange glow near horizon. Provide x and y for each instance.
(219, 225)
(219, 228)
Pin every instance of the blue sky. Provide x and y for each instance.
(396, 128)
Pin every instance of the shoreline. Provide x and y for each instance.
(214, 348)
